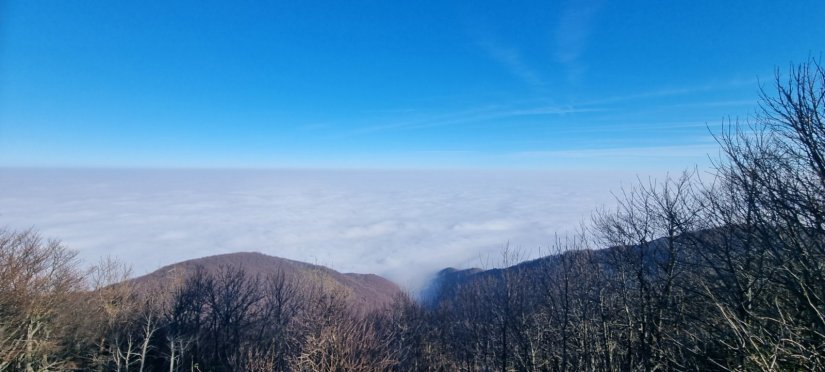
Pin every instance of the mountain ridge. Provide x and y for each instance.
(366, 291)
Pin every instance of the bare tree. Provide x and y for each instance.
(37, 281)
(773, 168)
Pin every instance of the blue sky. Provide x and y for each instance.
(383, 84)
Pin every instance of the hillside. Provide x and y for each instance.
(450, 282)
(365, 291)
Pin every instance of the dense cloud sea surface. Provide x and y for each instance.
(404, 225)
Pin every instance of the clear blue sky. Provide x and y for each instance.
(386, 84)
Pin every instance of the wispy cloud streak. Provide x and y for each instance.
(476, 115)
(511, 58)
(572, 33)
(672, 91)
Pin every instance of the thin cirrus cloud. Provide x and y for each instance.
(707, 87)
(506, 54)
(421, 119)
(404, 225)
(513, 60)
(475, 115)
(572, 33)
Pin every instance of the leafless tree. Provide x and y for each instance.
(772, 195)
(37, 281)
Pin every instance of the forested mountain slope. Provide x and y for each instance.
(364, 292)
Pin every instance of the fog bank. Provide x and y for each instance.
(399, 224)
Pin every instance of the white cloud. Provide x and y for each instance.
(400, 224)
(491, 225)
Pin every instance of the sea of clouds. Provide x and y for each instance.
(404, 225)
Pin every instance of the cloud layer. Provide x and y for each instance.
(400, 224)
